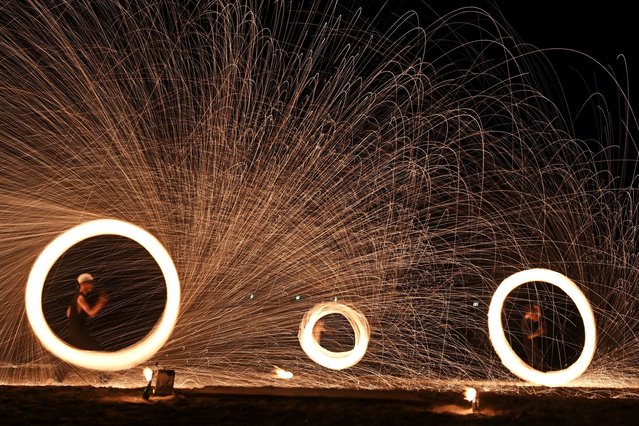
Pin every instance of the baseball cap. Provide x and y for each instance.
(83, 278)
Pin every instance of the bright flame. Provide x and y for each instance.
(283, 374)
(470, 394)
(324, 357)
(148, 374)
(508, 356)
(98, 360)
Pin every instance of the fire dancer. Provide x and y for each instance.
(78, 312)
(533, 326)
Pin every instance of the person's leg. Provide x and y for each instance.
(536, 355)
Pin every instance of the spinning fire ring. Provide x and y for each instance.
(326, 358)
(97, 360)
(510, 359)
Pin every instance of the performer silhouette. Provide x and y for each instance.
(78, 312)
(533, 326)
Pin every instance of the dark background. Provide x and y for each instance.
(586, 45)
(593, 51)
(603, 30)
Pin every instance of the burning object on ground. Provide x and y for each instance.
(282, 374)
(471, 395)
(164, 380)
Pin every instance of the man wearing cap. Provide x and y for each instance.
(79, 311)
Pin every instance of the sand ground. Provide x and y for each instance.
(40, 405)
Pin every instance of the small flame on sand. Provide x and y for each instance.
(283, 374)
(470, 394)
(148, 374)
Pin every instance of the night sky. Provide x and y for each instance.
(605, 32)
(601, 32)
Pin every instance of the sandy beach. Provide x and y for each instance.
(67, 405)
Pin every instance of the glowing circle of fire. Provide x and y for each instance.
(326, 358)
(510, 359)
(97, 360)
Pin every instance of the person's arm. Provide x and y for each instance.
(91, 311)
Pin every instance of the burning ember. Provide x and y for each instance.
(283, 374)
(470, 394)
(148, 374)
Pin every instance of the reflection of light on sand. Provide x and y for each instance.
(593, 386)
(136, 399)
(470, 395)
(282, 374)
(463, 411)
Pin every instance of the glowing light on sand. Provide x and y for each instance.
(326, 358)
(510, 359)
(282, 374)
(97, 360)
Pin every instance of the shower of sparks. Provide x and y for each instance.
(289, 157)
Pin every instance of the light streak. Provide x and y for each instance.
(124, 358)
(508, 356)
(324, 357)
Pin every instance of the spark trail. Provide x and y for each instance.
(287, 157)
